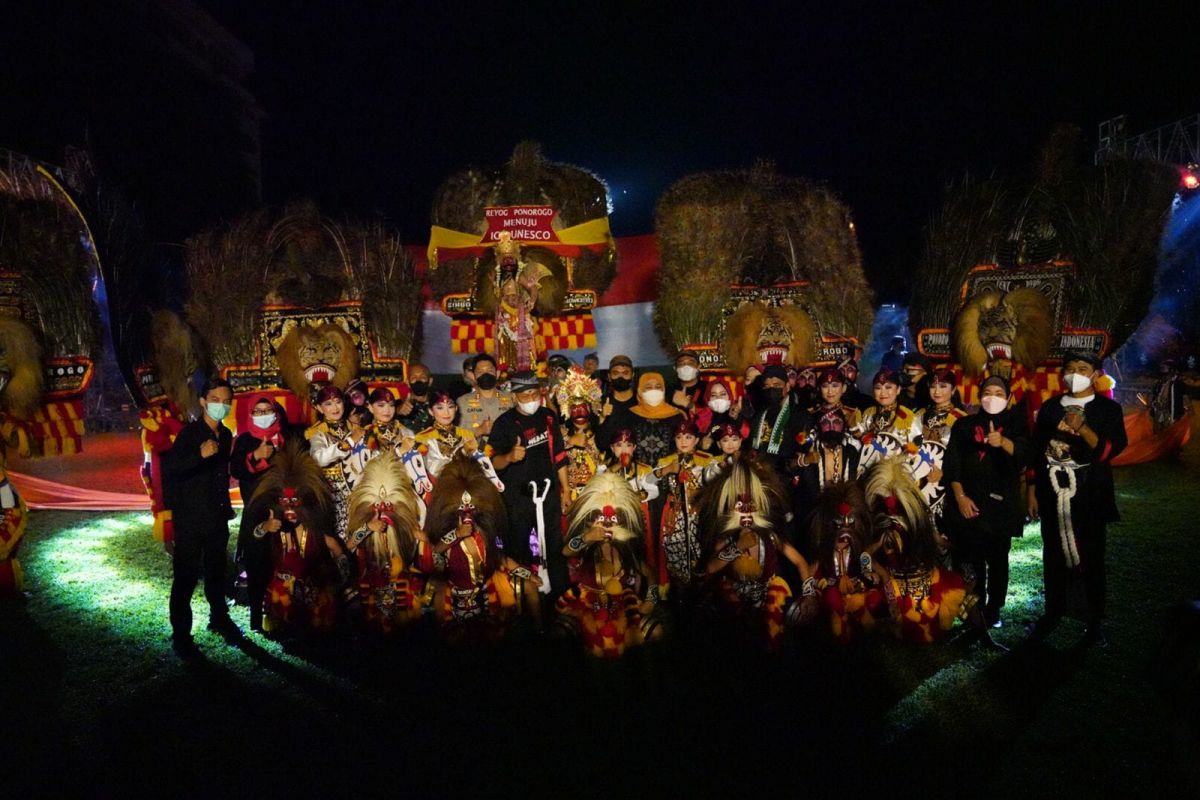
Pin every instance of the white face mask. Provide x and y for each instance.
(653, 397)
(719, 404)
(529, 407)
(994, 405)
(263, 421)
(1077, 383)
(686, 373)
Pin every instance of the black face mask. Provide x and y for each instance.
(622, 384)
(486, 381)
(419, 388)
(774, 395)
(830, 438)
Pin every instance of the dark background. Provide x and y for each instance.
(368, 107)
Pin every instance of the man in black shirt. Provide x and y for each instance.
(196, 469)
(687, 391)
(619, 397)
(1076, 437)
(528, 449)
(415, 412)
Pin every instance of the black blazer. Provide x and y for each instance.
(196, 489)
(1095, 490)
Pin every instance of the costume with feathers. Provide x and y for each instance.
(741, 512)
(300, 594)
(925, 598)
(850, 591)
(606, 534)
(384, 540)
(482, 590)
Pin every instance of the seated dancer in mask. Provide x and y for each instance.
(622, 462)
(718, 410)
(924, 598)
(578, 400)
(681, 475)
(482, 591)
(383, 543)
(983, 465)
(292, 511)
(849, 589)
(741, 515)
(612, 599)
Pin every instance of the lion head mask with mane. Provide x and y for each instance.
(995, 329)
(322, 354)
(20, 369)
(758, 334)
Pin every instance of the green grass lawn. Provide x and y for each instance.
(93, 701)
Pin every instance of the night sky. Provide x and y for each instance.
(370, 106)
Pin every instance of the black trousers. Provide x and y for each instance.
(522, 518)
(981, 551)
(199, 549)
(1090, 538)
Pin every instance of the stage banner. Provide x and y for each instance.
(567, 332)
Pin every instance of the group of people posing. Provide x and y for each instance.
(612, 506)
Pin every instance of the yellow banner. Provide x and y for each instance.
(585, 234)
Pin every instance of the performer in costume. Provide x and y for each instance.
(1074, 442)
(340, 450)
(832, 386)
(578, 401)
(388, 433)
(253, 451)
(612, 599)
(938, 417)
(850, 590)
(742, 513)
(983, 466)
(887, 415)
(853, 397)
(483, 591)
(518, 341)
(924, 597)
(444, 439)
(384, 541)
(682, 474)
(640, 478)
(293, 512)
(829, 456)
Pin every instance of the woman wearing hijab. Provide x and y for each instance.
(717, 411)
(652, 421)
(253, 451)
(984, 461)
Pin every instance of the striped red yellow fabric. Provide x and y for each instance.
(57, 427)
(566, 332)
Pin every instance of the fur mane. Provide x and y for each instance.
(717, 500)
(1034, 335)
(463, 474)
(23, 354)
(892, 478)
(293, 466)
(742, 329)
(382, 479)
(833, 496)
(288, 356)
(175, 358)
(607, 489)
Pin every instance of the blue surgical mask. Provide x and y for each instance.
(217, 411)
(263, 421)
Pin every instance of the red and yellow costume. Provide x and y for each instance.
(384, 542)
(606, 605)
(678, 550)
(160, 426)
(14, 511)
(850, 592)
